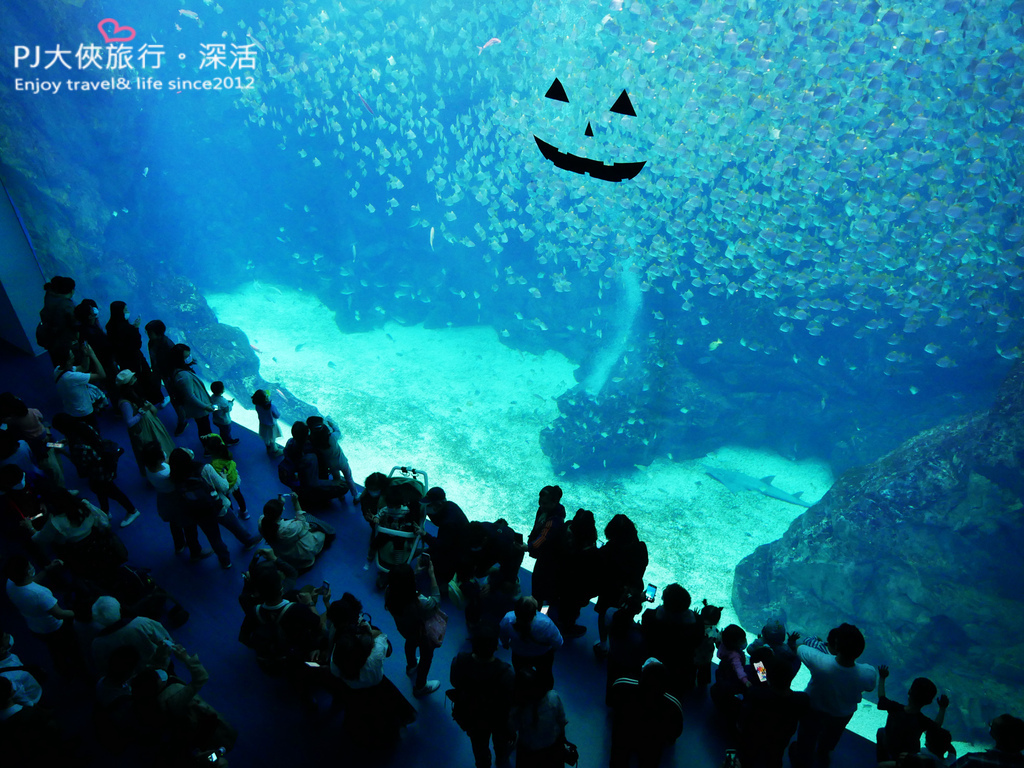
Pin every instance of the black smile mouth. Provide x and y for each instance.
(586, 166)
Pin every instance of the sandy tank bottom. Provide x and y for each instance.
(468, 410)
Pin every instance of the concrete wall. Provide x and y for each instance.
(21, 282)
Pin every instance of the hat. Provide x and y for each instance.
(125, 377)
(106, 610)
(435, 495)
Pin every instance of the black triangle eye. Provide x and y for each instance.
(622, 105)
(557, 92)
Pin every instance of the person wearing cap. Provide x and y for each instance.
(446, 547)
(147, 636)
(140, 415)
(646, 719)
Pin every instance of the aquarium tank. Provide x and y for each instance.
(654, 252)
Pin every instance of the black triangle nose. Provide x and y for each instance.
(589, 131)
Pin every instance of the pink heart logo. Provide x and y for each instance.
(129, 33)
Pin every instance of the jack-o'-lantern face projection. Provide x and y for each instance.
(585, 165)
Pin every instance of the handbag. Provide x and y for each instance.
(98, 398)
(570, 754)
(455, 594)
(434, 627)
(110, 452)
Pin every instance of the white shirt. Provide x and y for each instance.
(34, 601)
(161, 479)
(27, 690)
(834, 689)
(372, 671)
(74, 392)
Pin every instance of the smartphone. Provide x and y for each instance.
(35, 517)
(213, 757)
(312, 664)
(55, 445)
(761, 674)
(650, 593)
(544, 610)
(325, 586)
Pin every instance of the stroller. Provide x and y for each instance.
(398, 539)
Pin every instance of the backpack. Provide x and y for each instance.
(269, 641)
(45, 337)
(200, 500)
(288, 472)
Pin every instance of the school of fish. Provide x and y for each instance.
(847, 162)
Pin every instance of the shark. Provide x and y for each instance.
(737, 481)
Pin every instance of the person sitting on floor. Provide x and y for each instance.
(333, 464)
(300, 470)
(284, 633)
(296, 541)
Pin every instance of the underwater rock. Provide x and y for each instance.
(631, 421)
(999, 453)
(921, 550)
(224, 351)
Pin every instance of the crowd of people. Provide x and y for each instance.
(69, 575)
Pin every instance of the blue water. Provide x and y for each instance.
(833, 183)
(822, 255)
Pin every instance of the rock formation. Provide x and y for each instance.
(922, 551)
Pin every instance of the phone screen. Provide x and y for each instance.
(650, 593)
(761, 674)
